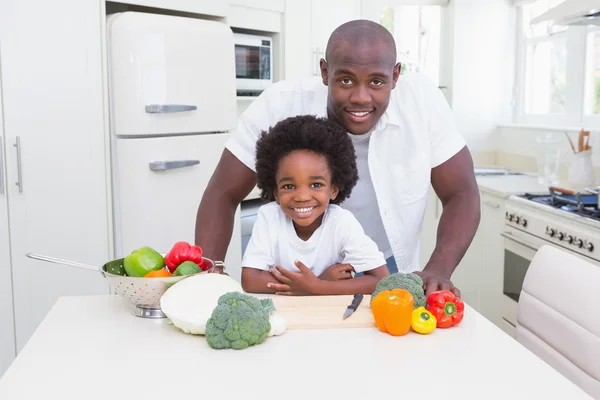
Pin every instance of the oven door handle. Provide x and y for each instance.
(510, 236)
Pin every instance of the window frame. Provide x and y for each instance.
(574, 116)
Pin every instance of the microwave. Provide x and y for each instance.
(253, 63)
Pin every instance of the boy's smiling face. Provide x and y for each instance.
(304, 189)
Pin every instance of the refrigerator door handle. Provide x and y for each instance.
(166, 165)
(168, 108)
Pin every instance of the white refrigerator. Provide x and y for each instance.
(172, 108)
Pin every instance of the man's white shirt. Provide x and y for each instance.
(415, 134)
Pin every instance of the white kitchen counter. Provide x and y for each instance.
(507, 185)
(93, 348)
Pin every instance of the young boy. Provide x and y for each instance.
(302, 242)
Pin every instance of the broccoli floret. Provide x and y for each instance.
(238, 321)
(399, 280)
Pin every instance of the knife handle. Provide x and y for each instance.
(356, 301)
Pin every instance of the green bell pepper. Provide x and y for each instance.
(187, 268)
(142, 261)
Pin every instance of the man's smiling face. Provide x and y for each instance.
(360, 80)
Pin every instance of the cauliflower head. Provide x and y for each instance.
(399, 280)
(238, 321)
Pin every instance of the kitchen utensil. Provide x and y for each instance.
(321, 312)
(571, 143)
(143, 293)
(354, 305)
(562, 190)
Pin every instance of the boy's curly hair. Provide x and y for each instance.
(306, 132)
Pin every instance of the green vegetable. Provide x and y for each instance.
(116, 267)
(142, 261)
(238, 321)
(411, 282)
(187, 268)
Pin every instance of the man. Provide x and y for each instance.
(405, 138)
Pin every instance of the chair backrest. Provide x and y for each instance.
(558, 316)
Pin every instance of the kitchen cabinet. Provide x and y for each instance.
(467, 275)
(56, 146)
(269, 5)
(308, 25)
(492, 257)
(479, 275)
(7, 333)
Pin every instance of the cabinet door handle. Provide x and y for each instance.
(19, 171)
(493, 205)
(168, 108)
(1, 170)
(166, 165)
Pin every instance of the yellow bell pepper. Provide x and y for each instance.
(423, 321)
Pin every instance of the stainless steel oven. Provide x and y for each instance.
(519, 250)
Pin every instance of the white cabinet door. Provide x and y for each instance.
(492, 266)
(160, 184)
(7, 326)
(467, 276)
(308, 25)
(54, 110)
(326, 16)
(298, 59)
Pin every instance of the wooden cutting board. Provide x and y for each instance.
(321, 312)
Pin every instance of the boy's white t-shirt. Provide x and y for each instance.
(339, 239)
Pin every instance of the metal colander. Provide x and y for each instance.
(142, 293)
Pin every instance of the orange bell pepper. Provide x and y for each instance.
(392, 310)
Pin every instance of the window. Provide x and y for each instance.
(558, 79)
(416, 30)
(592, 73)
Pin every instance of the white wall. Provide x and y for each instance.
(483, 64)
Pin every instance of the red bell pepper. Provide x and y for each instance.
(183, 251)
(446, 308)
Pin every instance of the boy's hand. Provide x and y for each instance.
(293, 283)
(337, 272)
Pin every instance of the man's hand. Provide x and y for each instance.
(433, 282)
(293, 283)
(337, 272)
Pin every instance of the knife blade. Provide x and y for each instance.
(354, 305)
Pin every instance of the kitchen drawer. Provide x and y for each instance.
(158, 69)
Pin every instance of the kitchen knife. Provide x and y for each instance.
(354, 305)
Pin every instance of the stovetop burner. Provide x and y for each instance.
(585, 205)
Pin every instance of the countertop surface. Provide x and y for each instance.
(94, 348)
(507, 185)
